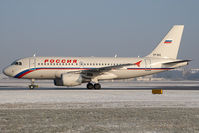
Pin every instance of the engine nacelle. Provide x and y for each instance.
(69, 79)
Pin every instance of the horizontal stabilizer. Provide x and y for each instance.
(175, 62)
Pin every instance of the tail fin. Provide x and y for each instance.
(168, 47)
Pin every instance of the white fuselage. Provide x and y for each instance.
(54, 67)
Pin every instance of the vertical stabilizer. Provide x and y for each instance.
(168, 47)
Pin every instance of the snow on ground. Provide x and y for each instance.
(128, 94)
(118, 107)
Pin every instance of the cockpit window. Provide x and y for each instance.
(17, 63)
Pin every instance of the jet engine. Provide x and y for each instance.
(68, 79)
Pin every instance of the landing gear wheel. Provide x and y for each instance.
(97, 86)
(31, 87)
(90, 86)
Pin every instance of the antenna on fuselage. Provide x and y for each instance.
(35, 54)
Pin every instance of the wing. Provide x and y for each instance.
(101, 70)
(108, 68)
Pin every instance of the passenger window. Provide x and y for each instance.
(41, 63)
(38, 63)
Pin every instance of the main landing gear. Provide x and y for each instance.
(32, 86)
(96, 86)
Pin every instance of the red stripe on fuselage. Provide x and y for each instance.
(25, 73)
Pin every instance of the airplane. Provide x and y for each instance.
(73, 71)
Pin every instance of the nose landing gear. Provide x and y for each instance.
(32, 86)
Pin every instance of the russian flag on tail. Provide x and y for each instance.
(168, 41)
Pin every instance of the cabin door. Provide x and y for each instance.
(32, 63)
(147, 64)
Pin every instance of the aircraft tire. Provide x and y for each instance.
(31, 87)
(90, 86)
(97, 86)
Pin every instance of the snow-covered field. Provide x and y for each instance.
(119, 107)
(18, 83)
(114, 94)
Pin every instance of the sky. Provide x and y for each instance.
(128, 28)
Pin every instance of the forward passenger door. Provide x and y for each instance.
(32, 62)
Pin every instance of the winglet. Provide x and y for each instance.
(138, 63)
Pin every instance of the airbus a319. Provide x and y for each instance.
(73, 71)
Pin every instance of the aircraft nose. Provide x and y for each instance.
(7, 71)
